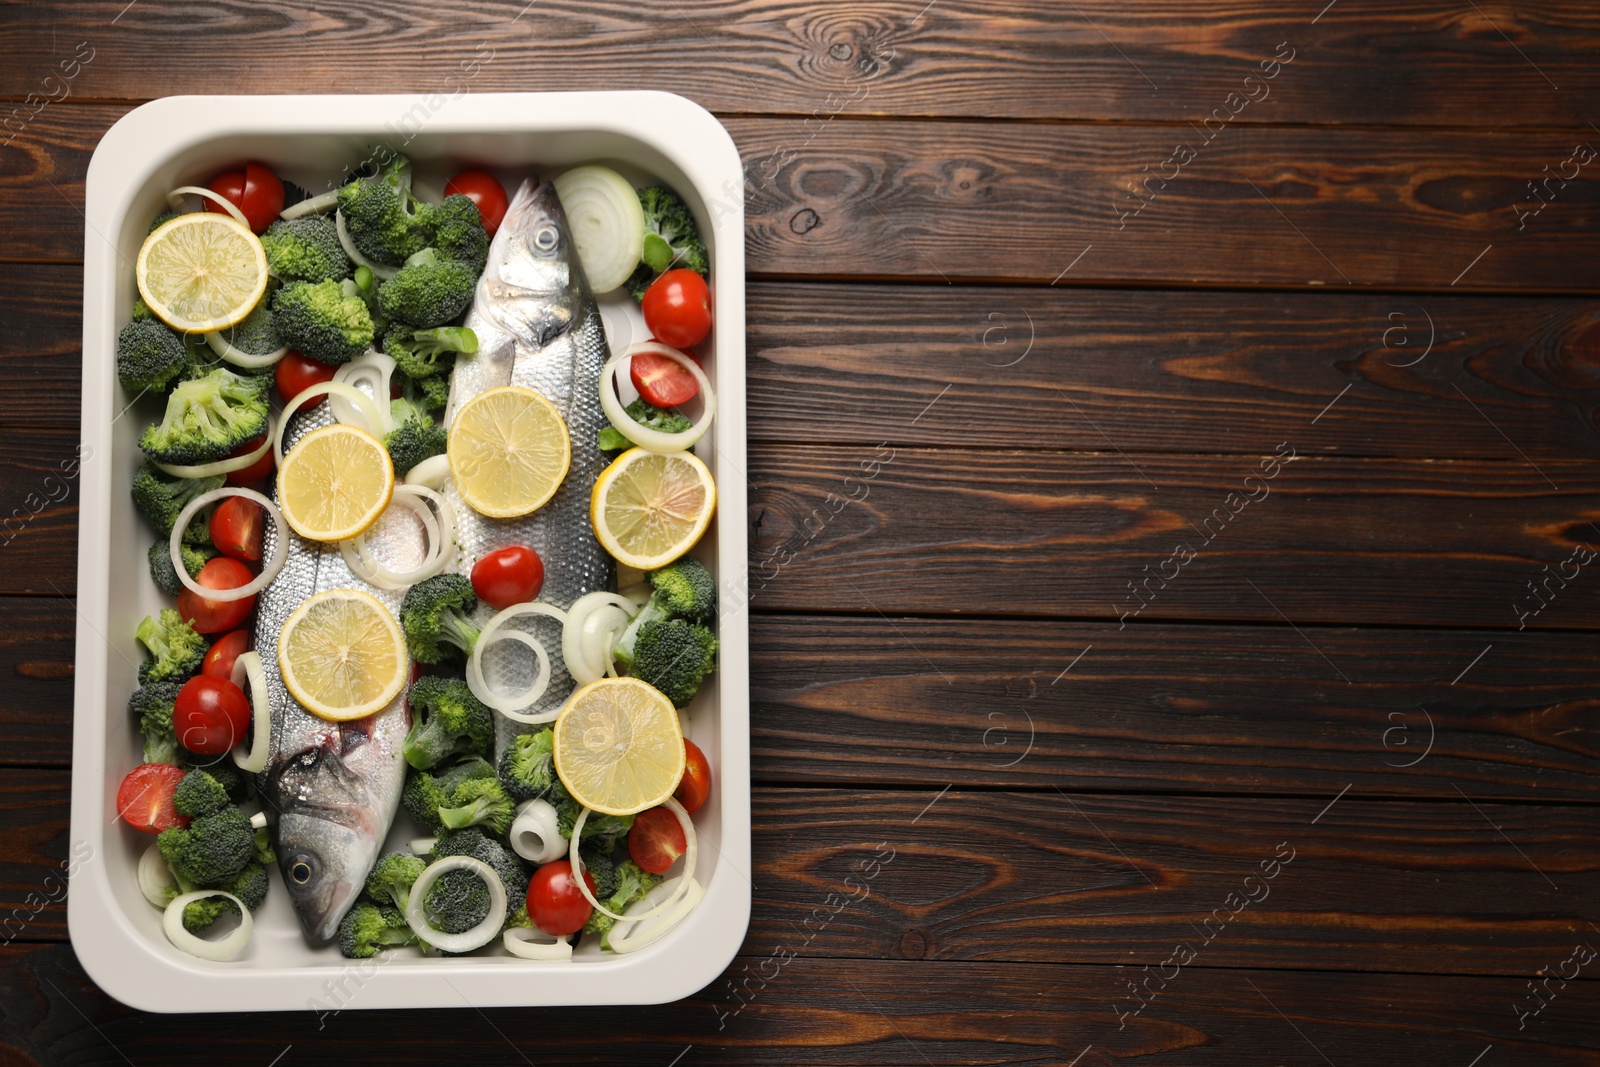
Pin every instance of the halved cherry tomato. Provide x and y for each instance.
(507, 576)
(485, 191)
(255, 191)
(210, 716)
(695, 785)
(661, 380)
(144, 799)
(555, 903)
(220, 656)
(259, 471)
(216, 616)
(236, 528)
(656, 840)
(677, 308)
(296, 374)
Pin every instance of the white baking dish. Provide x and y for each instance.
(312, 139)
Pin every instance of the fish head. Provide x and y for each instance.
(533, 286)
(327, 841)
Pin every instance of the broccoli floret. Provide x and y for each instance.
(429, 290)
(480, 802)
(160, 221)
(633, 882)
(520, 918)
(152, 705)
(425, 794)
(198, 793)
(684, 589)
(458, 232)
(437, 617)
(392, 878)
(414, 438)
(141, 311)
(527, 767)
(384, 221)
(323, 322)
(475, 843)
(674, 656)
(150, 356)
(264, 853)
(249, 885)
(176, 651)
(306, 249)
(257, 335)
(457, 902)
(165, 575)
(212, 848)
(425, 353)
(645, 414)
(368, 927)
(606, 829)
(596, 856)
(160, 499)
(448, 721)
(435, 394)
(208, 418)
(232, 780)
(671, 239)
(363, 285)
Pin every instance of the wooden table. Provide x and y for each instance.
(1172, 496)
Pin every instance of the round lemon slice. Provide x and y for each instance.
(335, 483)
(509, 451)
(201, 271)
(343, 655)
(618, 746)
(649, 508)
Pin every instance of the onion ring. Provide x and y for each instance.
(363, 402)
(467, 940)
(216, 951)
(441, 537)
(375, 369)
(520, 941)
(155, 877)
(535, 833)
(432, 472)
(311, 205)
(475, 678)
(175, 198)
(689, 858)
(222, 466)
(626, 937)
(378, 269)
(239, 357)
(247, 668)
(269, 570)
(644, 436)
(578, 636)
(511, 706)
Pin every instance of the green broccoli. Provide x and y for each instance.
(480, 846)
(323, 322)
(597, 861)
(527, 767)
(479, 802)
(257, 335)
(165, 575)
(368, 927)
(448, 721)
(208, 418)
(264, 852)
(426, 793)
(520, 918)
(425, 353)
(150, 356)
(457, 901)
(392, 878)
(684, 589)
(232, 780)
(645, 414)
(458, 232)
(160, 221)
(160, 499)
(249, 885)
(363, 285)
(414, 438)
(633, 882)
(141, 311)
(428, 291)
(199, 793)
(212, 848)
(674, 656)
(152, 705)
(607, 829)
(437, 617)
(306, 249)
(383, 220)
(176, 651)
(671, 239)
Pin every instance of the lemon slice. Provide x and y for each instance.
(201, 271)
(509, 451)
(335, 483)
(649, 508)
(618, 746)
(343, 655)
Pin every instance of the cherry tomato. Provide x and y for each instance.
(695, 786)
(482, 189)
(220, 656)
(296, 374)
(661, 380)
(144, 799)
(507, 576)
(216, 616)
(656, 840)
(677, 308)
(259, 471)
(211, 715)
(236, 528)
(255, 191)
(230, 186)
(555, 903)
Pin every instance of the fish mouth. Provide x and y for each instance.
(325, 842)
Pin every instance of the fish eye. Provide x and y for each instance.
(546, 238)
(301, 871)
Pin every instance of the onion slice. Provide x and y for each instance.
(421, 846)
(175, 198)
(314, 205)
(216, 951)
(269, 571)
(584, 645)
(467, 940)
(606, 221)
(222, 466)
(524, 941)
(644, 436)
(432, 472)
(240, 358)
(441, 542)
(479, 684)
(383, 273)
(375, 370)
(363, 403)
(689, 859)
(156, 879)
(535, 833)
(631, 935)
(247, 668)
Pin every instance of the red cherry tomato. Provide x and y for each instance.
(555, 903)
(507, 576)
(656, 840)
(236, 528)
(677, 308)
(259, 471)
(662, 381)
(485, 191)
(695, 785)
(220, 656)
(144, 799)
(255, 191)
(210, 716)
(230, 186)
(296, 374)
(216, 616)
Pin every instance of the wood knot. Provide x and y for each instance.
(841, 51)
(914, 944)
(1584, 349)
(804, 221)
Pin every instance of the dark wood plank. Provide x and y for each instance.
(1328, 540)
(38, 510)
(36, 654)
(1419, 61)
(818, 1012)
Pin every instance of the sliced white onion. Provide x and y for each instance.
(441, 542)
(689, 858)
(378, 269)
(375, 370)
(583, 643)
(175, 198)
(247, 669)
(224, 948)
(644, 436)
(269, 570)
(314, 205)
(606, 221)
(535, 833)
(258, 821)
(631, 935)
(156, 879)
(510, 706)
(467, 940)
(527, 942)
(421, 846)
(222, 466)
(432, 472)
(364, 404)
(239, 358)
